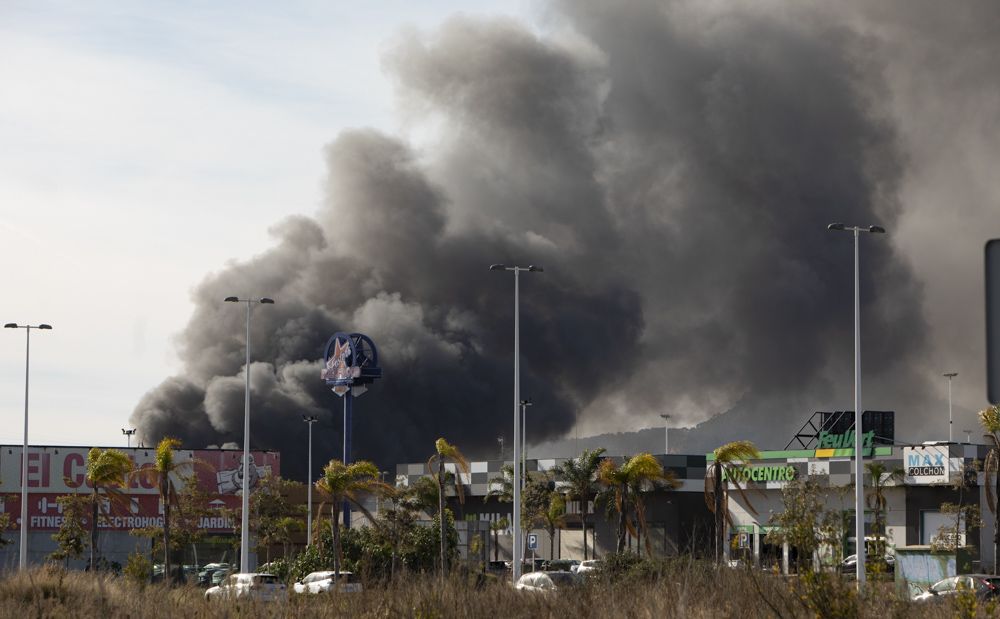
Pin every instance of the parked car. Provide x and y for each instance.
(985, 586)
(547, 581)
(262, 587)
(322, 582)
(590, 566)
(208, 570)
(560, 565)
(498, 567)
(850, 563)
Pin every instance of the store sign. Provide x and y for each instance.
(56, 471)
(926, 464)
(761, 473)
(829, 440)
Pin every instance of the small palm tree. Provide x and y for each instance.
(579, 475)
(502, 487)
(624, 486)
(107, 470)
(165, 465)
(881, 477)
(553, 517)
(446, 452)
(495, 527)
(347, 482)
(990, 420)
(726, 459)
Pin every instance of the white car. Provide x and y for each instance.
(262, 587)
(322, 582)
(589, 566)
(547, 581)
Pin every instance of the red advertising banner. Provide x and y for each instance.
(56, 471)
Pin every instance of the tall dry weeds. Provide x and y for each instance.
(682, 588)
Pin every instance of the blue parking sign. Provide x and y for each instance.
(532, 541)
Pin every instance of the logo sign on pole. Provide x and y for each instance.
(532, 541)
(993, 321)
(926, 465)
(350, 363)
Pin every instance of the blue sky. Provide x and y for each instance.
(147, 144)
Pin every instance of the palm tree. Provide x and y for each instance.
(446, 452)
(347, 482)
(881, 475)
(725, 460)
(579, 475)
(164, 465)
(107, 470)
(624, 486)
(990, 420)
(502, 487)
(553, 517)
(495, 527)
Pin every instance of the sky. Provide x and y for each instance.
(145, 146)
(153, 153)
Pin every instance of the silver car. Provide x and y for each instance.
(984, 586)
(262, 587)
(322, 582)
(547, 581)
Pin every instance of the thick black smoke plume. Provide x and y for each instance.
(672, 167)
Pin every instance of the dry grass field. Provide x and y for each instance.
(684, 590)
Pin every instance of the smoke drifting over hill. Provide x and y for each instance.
(672, 167)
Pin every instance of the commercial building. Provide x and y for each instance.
(57, 471)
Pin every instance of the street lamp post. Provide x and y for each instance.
(128, 432)
(310, 420)
(949, 376)
(859, 480)
(666, 433)
(245, 521)
(23, 559)
(525, 403)
(518, 551)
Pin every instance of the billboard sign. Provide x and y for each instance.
(56, 471)
(350, 363)
(926, 464)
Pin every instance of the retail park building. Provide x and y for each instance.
(678, 520)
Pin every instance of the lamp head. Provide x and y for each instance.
(876, 229)
(836, 226)
(267, 301)
(498, 267)
(10, 325)
(537, 269)
(45, 326)
(231, 299)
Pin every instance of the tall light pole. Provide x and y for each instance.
(128, 432)
(949, 376)
(666, 433)
(310, 420)
(518, 551)
(525, 403)
(23, 564)
(245, 521)
(859, 480)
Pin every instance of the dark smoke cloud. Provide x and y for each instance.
(673, 166)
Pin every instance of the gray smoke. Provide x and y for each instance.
(673, 166)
